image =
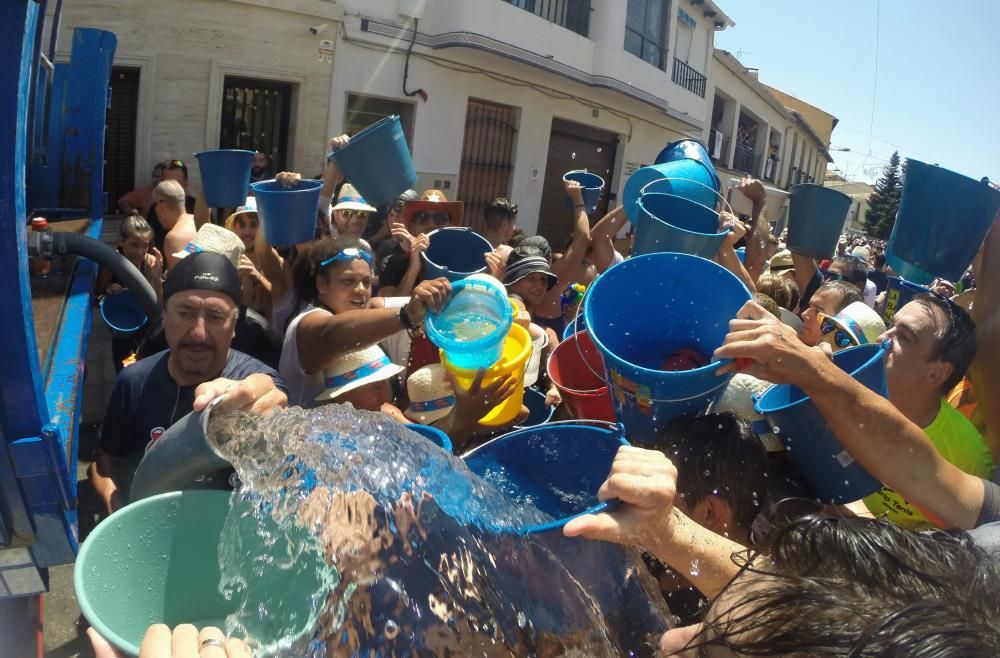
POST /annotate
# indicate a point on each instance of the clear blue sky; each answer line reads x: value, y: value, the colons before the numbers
x: 937, y: 98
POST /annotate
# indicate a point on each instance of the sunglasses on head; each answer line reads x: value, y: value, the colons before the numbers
x: 438, y: 218
x: 349, y: 254
x: 832, y: 276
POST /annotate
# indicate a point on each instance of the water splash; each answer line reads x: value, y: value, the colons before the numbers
x: 366, y: 538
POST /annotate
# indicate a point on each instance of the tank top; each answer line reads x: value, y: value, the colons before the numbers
x: 302, y: 386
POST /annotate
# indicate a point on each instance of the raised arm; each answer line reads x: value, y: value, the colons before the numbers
x: 726, y: 255
x: 876, y: 434
x: 602, y: 247
x: 985, y: 371
x: 323, y: 337
x: 758, y: 229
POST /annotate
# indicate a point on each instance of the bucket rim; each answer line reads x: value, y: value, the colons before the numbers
x: 551, y: 409
x: 503, y: 364
x: 881, y: 349
x: 703, y: 370
x: 675, y: 226
x: 304, y: 185
x: 815, y: 186
x: 466, y: 230
x: 505, y: 326
x: 138, y: 507
x: 135, y: 303
x: 589, y: 173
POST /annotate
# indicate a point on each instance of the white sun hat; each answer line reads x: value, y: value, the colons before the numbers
x: 737, y: 397
x: 349, y: 199
x: 432, y: 396
x: 354, y: 370
x: 217, y: 240
x: 862, y: 316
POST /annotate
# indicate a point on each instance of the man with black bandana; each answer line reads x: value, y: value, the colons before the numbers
x: 200, y: 300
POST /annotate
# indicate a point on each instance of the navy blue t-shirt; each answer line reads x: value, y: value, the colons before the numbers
x: 146, y: 401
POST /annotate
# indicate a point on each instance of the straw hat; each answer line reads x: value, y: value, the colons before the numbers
x: 354, y: 370
x: 216, y: 240
x: 431, y: 394
x: 433, y: 201
x: 782, y: 261
x: 349, y: 199
x: 249, y: 206
x: 863, y: 321
x: 737, y: 397
x: 861, y: 253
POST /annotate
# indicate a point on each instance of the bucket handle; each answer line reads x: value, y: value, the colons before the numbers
x: 696, y: 182
x: 612, y: 385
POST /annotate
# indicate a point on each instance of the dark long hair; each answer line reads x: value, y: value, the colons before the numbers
x: 859, y: 588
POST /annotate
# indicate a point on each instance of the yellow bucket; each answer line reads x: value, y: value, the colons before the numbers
x: 516, y: 350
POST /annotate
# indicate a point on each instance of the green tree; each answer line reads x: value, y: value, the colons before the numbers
x: 884, y: 201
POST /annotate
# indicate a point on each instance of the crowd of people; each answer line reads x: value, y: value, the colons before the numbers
x: 339, y: 320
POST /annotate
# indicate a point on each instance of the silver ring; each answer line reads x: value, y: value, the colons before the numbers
x: 212, y: 642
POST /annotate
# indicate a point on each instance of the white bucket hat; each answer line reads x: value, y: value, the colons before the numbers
x: 864, y: 317
x: 737, y: 397
x: 217, y: 240
x: 431, y: 394
x: 349, y: 199
x: 249, y: 206
x: 354, y: 370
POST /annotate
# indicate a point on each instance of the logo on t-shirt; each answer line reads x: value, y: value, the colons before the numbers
x: 154, y: 435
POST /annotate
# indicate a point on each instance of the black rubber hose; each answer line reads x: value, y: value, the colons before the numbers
x: 105, y: 256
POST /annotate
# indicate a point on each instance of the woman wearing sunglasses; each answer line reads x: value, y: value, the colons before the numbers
x: 333, y: 286
x: 402, y: 270
x: 350, y: 215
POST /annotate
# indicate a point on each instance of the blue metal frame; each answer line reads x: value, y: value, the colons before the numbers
x: 40, y: 410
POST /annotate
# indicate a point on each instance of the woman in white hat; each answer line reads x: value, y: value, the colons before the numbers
x: 333, y: 287
x: 362, y: 378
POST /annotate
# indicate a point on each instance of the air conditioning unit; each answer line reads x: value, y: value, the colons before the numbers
x: 715, y: 139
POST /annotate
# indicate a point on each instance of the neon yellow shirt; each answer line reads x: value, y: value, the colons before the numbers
x: 958, y: 441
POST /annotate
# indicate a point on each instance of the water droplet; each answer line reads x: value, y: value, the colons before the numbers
x: 522, y: 619
x: 776, y: 429
x: 573, y: 156
x: 847, y: 483
x: 861, y: 426
x: 707, y: 473
x: 695, y: 568
x: 391, y: 630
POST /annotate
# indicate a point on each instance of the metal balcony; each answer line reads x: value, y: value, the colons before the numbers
x: 571, y: 14
x: 689, y: 78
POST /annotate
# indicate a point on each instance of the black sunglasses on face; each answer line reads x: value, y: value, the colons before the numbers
x: 832, y: 276
x: 438, y: 218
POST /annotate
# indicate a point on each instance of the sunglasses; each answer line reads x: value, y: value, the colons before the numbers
x: 832, y: 276
x: 349, y: 254
x: 438, y: 218
x: 355, y: 214
x: 834, y: 334
x: 176, y: 164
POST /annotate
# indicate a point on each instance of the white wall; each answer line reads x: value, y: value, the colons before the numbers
x: 439, y: 123
x: 184, y: 48
x: 750, y: 101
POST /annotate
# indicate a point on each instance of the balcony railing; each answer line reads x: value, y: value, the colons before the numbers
x: 571, y: 14
x: 689, y: 78
x: 744, y: 159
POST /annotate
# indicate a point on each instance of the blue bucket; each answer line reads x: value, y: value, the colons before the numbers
x: 288, y: 215
x: 455, y: 253
x: 558, y: 467
x: 685, y: 149
x: 898, y: 294
x: 592, y: 185
x: 225, y: 176
x: 943, y: 218
x: 685, y: 178
x: 576, y: 325
x: 377, y: 161
x: 434, y: 435
x: 538, y: 412
x: 816, y: 217
x: 741, y: 253
x: 687, y: 303
x: 829, y: 469
x: 123, y: 313
x: 672, y: 223
x: 472, y: 325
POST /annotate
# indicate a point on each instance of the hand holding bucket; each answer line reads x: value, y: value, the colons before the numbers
x: 591, y: 187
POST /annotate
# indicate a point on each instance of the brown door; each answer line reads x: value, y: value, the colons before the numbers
x: 487, y: 158
x: 572, y: 146
x: 119, y: 137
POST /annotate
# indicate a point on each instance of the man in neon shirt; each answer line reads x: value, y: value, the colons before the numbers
x: 933, y: 344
